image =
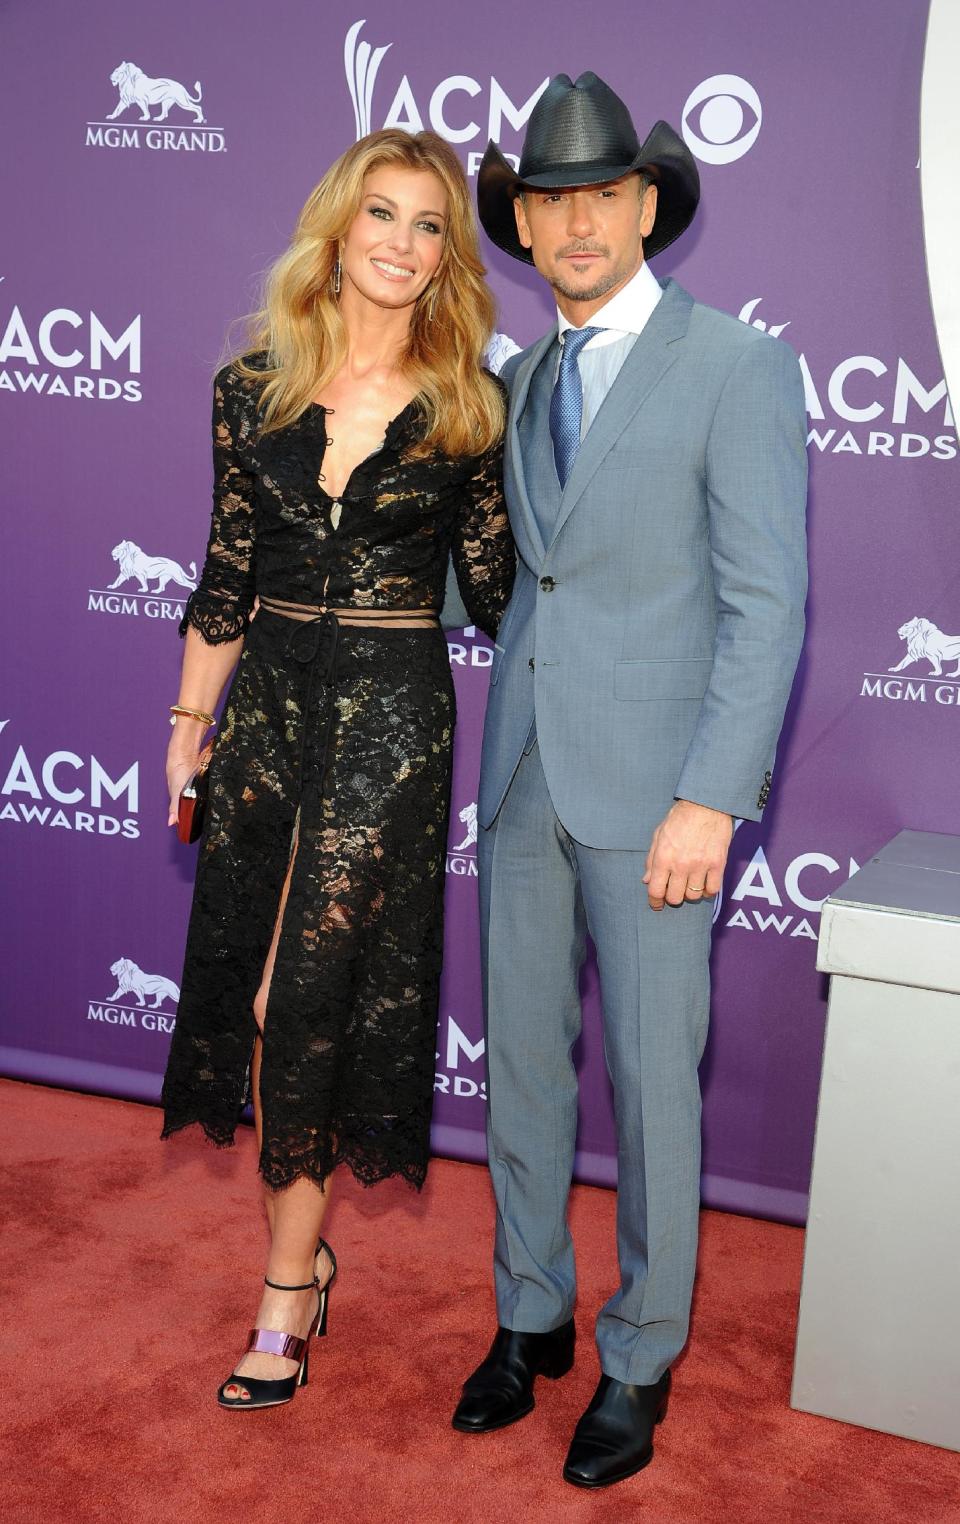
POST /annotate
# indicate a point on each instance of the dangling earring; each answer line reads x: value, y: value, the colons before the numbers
x: 432, y: 305
x: 336, y: 277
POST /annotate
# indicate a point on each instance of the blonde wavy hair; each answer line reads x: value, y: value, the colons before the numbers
x: 301, y: 328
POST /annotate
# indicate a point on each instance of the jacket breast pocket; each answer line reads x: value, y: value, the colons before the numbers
x: 681, y: 678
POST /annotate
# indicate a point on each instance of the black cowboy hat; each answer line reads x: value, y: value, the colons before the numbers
x: 582, y: 134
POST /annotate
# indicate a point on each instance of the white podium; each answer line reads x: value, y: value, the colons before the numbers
x: 878, y: 1340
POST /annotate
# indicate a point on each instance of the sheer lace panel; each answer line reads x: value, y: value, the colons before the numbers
x: 482, y: 546
x: 219, y: 608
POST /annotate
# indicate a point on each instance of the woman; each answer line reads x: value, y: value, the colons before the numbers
x: 355, y: 447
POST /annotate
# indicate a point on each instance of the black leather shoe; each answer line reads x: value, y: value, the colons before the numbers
x: 614, y: 1438
x: 501, y: 1389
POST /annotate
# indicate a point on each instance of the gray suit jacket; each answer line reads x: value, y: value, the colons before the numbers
x: 654, y: 638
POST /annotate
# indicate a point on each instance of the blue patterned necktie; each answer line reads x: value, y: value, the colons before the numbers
x: 566, y: 404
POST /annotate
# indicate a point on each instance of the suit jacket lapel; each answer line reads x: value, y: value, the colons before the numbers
x: 646, y: 365
x: 516, y: 481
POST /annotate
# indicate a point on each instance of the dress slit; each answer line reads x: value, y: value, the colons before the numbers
x: 277, y: 933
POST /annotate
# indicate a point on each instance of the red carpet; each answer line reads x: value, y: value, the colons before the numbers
x: 130, y: 1275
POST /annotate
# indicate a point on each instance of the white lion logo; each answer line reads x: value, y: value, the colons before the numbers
x: 468, y: 816
x: 131, y: 980
x: 925, y: 641
x: 138, y: 89
x: 133, y: 562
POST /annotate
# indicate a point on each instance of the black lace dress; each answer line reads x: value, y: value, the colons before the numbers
x: 334, y: 751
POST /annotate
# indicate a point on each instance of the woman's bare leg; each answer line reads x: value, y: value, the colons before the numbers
x: 298, y: 1216
x: 255, y: 1064
x: 295, y: 1216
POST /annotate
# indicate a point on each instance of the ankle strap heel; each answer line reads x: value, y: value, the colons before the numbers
x: 324, y: 1248
x: 269, y: 1341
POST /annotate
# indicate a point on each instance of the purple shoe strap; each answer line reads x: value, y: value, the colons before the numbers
x: 270, y: 1341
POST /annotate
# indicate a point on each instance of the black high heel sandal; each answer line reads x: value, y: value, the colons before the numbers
x: 269, y: 1341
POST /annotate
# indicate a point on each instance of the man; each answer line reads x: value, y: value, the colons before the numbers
x: 656, y: 478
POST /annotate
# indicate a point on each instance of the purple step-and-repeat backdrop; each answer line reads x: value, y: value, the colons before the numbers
x: 156, y: 160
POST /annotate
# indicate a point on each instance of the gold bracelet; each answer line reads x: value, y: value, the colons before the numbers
x: 191, y: 714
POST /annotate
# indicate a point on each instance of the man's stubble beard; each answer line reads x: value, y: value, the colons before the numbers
x: 600, y: 288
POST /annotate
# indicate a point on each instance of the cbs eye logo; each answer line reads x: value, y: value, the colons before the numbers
x: 715, y: 124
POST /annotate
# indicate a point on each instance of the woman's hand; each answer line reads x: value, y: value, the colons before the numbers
x: 183, y: 759
x: 205, y: 670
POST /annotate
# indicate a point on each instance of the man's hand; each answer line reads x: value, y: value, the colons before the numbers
x: 687, y: 855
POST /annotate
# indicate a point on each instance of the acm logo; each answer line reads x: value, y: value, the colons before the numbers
x: 54, y: 355
x: 451, y: 109
x: 790, y: 898
x: 459, y: 1053
x: 48, y: 792
x: 864, y: 404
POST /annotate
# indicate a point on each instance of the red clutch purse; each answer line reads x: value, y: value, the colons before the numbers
x: 193, y: 799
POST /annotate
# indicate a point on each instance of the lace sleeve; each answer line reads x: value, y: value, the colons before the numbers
x: 219, y: 608
x: 483, y: 552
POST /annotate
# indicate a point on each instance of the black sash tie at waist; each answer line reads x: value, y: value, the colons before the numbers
x: 314, y: 642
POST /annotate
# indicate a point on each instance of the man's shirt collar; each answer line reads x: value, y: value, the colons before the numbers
x: 627, y: 312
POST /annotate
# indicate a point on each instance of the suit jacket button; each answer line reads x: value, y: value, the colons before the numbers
x: 547, y: 584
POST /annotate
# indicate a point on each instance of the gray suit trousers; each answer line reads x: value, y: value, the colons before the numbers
x: 540, y: 893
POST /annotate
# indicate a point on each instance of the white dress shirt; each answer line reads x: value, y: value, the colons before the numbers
x: 623, y: 318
